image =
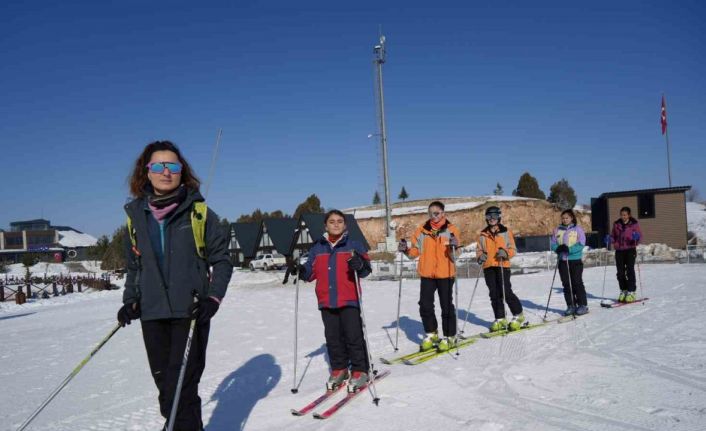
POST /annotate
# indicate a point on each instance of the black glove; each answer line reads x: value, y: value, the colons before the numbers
x: 356, y: 262
x: 562, y: 249
x: 295, y: 268
x: 482, y: 258
x: 501, y: 254
x: 203, y: 310
x: 127, y: 313
x: 402, y: 246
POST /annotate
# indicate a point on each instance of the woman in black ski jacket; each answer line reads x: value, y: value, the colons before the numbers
x: 171, y: 250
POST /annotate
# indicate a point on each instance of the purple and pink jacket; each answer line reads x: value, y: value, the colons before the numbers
x: 621, y: 236
x: 328, y: 265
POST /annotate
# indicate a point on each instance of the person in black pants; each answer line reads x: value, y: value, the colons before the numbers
x: 568, y: 241
x: 168, y: 282
x: 333, y: 261
x: 626, y: 236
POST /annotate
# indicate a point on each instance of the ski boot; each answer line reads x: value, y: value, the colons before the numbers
x: 570, y: 310
x: 581, y: 310
x: 337, y: 378
x: 430, y: 340
x: 630, y: 297
x: 446, y: 344
x: 498, y: 325
x: 358, y: 379
x: 516, y: 322
x: 623, y: 295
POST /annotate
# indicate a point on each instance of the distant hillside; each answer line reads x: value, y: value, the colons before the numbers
x: 524, y: 216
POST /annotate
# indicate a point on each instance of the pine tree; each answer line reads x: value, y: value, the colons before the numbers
x: 376, y: 198
x: 403, y: 194
x: 114, y: 257
x: 562, y: 194
x: 528, y: 187
x: 97, y: 251
x: 498, y: 190
x: 311, y: 204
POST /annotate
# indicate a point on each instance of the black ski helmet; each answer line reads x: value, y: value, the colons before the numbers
x: 493, y: 211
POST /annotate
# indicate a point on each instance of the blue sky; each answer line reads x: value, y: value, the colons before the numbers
x: 476, y: 93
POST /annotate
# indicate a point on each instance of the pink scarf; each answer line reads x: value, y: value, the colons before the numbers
x: 161, y: 213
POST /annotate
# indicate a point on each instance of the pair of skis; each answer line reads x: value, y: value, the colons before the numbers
x: 340, y: 404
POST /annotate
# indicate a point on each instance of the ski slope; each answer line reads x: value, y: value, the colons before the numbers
x: 639, y: 367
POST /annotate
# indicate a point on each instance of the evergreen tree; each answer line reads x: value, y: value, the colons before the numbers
x: 528, y: 187
x: 403, y: 194
x: 376, y: 198
x: 97, y: 251
x: 498, y: 190
x: 114, y: 257
x: 311, y: 204
x: 562, y: 194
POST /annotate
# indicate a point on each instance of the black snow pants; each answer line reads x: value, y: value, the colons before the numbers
x: 165, y: 340
x: 575, y: 267
x: 345, y: 342
x: 625, y: 262
x: 444, y: 287
x: 494, y: 279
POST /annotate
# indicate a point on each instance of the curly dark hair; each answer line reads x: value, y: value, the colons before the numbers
x: 138, y: 179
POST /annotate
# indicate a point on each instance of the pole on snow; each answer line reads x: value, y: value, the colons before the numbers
x: 69, y: 378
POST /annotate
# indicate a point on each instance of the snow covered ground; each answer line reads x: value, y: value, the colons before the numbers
x: 640, y: 367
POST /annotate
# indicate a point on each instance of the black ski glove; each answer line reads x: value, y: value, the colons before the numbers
x: 402, y: 246
x: 128, y: 312
x: 356, y: 262
x: 482, y: 258
x: 296, y: 269
x: 203, y: 310
x: 501, y: 254
x: 562, y: 249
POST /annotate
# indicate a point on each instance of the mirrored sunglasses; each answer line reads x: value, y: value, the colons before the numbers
x: 159, y: 167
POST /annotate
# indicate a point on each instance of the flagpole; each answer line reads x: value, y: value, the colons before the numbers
x: 669, y: 160
x: 665, y: 132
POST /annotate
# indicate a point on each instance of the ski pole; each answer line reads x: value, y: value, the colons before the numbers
x: 551, y: 288
x: 639, y: 277
x: 453, y: 251
x: 468, y: 309
x: 502, y: 280
x: 371, y: 368
x: 399, y: 301
x: 296, y: 324
x: 571, y: 287
x: 182, y: 371
x: 605, y: 266
x: 69, y: 377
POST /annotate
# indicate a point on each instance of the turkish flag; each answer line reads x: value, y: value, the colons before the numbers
x: 663, y: 117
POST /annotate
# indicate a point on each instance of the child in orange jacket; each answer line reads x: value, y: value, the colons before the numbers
x: 434, y: 242
x: 496, y: 246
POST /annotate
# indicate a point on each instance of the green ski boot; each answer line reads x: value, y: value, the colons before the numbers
x: 446, y: 344
x: 630, y: 297
x: 430, y: 340
x: 623, y: 294
x: 516, y: 322
x: 498, y: 325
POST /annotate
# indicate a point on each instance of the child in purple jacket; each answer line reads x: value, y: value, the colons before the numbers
x: 625, y: 237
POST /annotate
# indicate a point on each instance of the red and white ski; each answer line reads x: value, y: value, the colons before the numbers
x: 312, y: 405
x: 348, y: 398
